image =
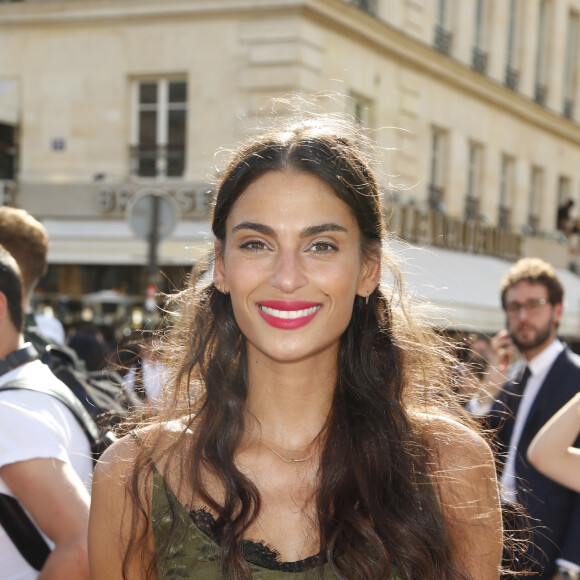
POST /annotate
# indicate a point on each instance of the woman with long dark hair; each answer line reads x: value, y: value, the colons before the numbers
x: 310, y: 430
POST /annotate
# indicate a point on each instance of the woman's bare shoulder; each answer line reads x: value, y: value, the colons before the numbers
x: 454, y: 443
x: 153, y: 441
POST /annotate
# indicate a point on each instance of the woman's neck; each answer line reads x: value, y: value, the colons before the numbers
x: 288, y: 403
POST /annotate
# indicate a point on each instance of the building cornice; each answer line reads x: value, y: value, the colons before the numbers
x: 422, y: 58
x: 348, y: 20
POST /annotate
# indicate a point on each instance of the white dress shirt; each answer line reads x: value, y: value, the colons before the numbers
x: 539, y: 367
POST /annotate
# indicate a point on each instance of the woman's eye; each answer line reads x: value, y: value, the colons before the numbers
x: 253, y: 246
x: 322, y: 247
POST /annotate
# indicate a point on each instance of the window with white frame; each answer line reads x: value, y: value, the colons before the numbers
x: 360, y: 109
x: 571, y: 64
x: 564, y: 189
x: 159, y: 128
x: 474, y: 174
x: 479, y: 52
x: 506, y: 191
x: 437, y: 168
x: 541, y: 89
x: 535, y: 196
x: 511, y: 71
x: 443, y: 34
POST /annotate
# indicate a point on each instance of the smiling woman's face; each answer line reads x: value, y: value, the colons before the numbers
x: 293, y: 264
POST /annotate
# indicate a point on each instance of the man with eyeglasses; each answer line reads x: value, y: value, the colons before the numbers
x: 546, y: 376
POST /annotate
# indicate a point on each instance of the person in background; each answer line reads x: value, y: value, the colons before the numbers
x: 45, y: 460
x: 563, y: 219
x: 145, y: 374
x: 308, y: 430
x: 554, y: 450
x: 545, y: 376
x: 27, y: 240
x: 87, y: 340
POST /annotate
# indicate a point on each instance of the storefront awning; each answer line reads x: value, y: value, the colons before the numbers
x: 98, y: 242
x: 464, y: 288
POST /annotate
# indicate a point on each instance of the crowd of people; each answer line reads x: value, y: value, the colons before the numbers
x: 304, y: 421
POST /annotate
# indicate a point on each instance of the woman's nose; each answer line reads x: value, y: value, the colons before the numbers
x: 288, y: 274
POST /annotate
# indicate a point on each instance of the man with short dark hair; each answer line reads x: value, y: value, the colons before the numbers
x: 45, y: 461
x: 27, y: 240
x: 546, y: 377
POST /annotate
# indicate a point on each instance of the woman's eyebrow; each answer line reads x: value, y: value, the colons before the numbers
x: 256, y: 227
x: 321, y: 229
x: 307, y: 232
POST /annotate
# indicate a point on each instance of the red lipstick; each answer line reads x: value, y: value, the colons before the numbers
x: 288, y: 314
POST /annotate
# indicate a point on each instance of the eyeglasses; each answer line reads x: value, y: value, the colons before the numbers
x: 531, y: 306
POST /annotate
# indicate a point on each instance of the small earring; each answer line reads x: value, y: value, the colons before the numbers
x: 367, y: 298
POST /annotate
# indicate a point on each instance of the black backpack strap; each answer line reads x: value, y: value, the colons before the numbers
x: 26, y: 353
x: 23, y: 533
x: 98, y: 438
x: 15, y: 521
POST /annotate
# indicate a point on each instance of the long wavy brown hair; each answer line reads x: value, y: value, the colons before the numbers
x: 375, y: 504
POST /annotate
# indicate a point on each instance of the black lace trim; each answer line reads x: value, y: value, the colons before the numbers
x: 256, y: 553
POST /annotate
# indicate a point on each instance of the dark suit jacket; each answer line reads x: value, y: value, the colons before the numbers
x: 555, y: 508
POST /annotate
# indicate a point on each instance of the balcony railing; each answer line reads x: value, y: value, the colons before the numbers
x: 478, y: 60
x: 369, y: 6
x: 512, y: 77
x: 568, y: 108
x: 421, y: 227
x: 443, y: 40
x: 158, y: 160
x: 541, y: 94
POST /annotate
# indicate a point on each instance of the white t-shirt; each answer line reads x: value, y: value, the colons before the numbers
x: 32, y: 426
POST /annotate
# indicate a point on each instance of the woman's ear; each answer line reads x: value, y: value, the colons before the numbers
x: 3, y: 307
x: 370, y: 273
x: 219, y: 275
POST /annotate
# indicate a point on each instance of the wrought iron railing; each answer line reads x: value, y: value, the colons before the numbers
x: 158, y: 160
x: 568, y: 108
x: 512, y: 78
x: 443, y: 40
x: 479, y: 60
x: 541, y: 94
x: 369, y: 6
x: 429, y: 227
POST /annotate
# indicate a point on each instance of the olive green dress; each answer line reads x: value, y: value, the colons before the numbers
x: 196, y: 555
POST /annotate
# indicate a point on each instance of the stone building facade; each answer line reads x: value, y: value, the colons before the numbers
x: 475, y: 105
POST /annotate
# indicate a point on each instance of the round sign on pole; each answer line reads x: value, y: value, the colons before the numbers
x: 141, y: 214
